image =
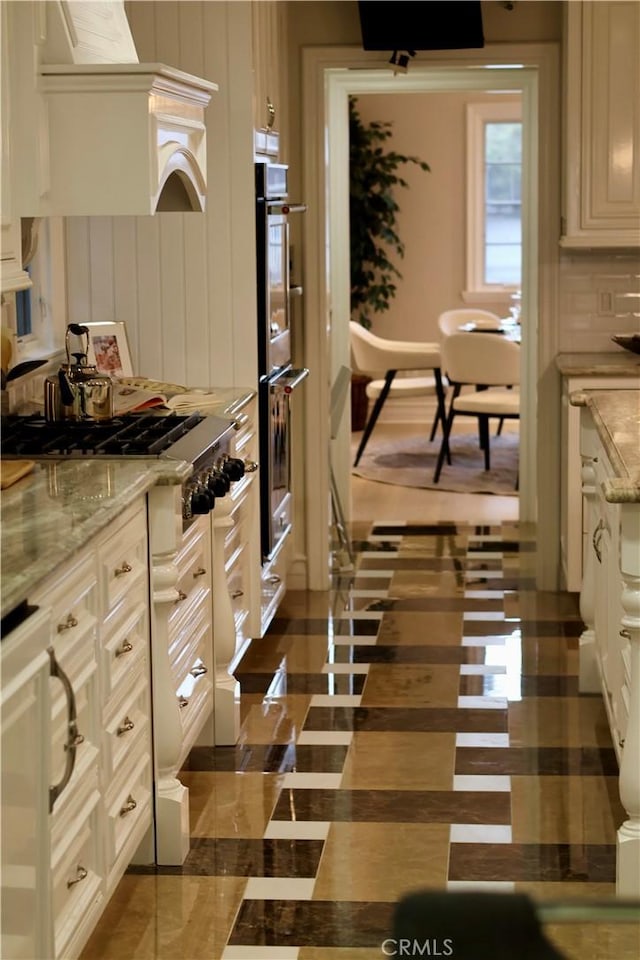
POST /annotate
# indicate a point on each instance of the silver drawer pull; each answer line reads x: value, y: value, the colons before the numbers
x: 200, y: 572
x: 183, y: 702
x: 236, y: 594
x: 74, y: 741
x: 250, y: 466
x: 81, y: 874
x: 125, y: 568
x: 125, y: 647
x: 68, y: 624
x: 239, y: 421
x: 181, y: 596
x: 621, y: 742
x: 128, y: 806
x: 199, y: 671
x: 625, y: 634
x: 273, y: 579
x: 125, y: 726
x: 596, y: 538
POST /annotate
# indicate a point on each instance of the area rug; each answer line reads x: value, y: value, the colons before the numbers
x: 411, y: 461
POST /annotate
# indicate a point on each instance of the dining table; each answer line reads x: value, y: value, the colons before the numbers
x: 507, y: 328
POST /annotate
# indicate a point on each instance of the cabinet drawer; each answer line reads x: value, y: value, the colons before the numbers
x: 127, y: 730
x: 73, y: 608
x: 123, y: 558
x: 76, y: 887
x: 192, y: 657
x: 128, y: 810
x: 237, y: 579
x: 124, y: 650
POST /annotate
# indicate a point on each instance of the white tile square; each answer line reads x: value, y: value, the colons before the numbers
x: 484, y: 574
x: 279, y: 888
x: 483, y: 703
x: 500, y: 886
x: 484, y: 594
x: 480, y: 833
x: 483, y: 641
x: 477, y: 669
x: 482, y: 615
x: 297, y: 830
x: 324, y: 737
x: 312, y: 781
x: 346, y: 668
x: 489, y: 783
x: 482, y: 739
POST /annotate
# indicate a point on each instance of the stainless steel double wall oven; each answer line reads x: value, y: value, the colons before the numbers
x: 277, y: 376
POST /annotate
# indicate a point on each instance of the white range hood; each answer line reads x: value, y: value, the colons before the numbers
x: 99, y: 133
x: 125, y: 138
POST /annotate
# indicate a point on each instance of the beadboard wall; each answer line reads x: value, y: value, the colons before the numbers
x: 184, y: 284
x: 599, y: 296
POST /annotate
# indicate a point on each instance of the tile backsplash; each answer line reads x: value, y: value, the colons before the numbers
x: 599, y: 296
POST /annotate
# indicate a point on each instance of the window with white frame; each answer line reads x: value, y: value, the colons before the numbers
x: 40, y: 310
x: 494, y: 197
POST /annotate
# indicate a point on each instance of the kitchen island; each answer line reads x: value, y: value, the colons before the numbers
x: 610, y: 594
x: 615, y: 369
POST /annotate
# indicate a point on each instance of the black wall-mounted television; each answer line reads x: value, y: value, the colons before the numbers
x: 420, y: 25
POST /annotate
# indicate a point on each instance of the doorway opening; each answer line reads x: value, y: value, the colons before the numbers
x: 330, y: 77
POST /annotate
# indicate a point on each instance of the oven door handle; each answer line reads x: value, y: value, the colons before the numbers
x: 287, y: 382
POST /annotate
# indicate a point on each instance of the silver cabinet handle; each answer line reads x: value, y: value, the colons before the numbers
x: 625, y: 634
x: 129, y: 805
x: 55, y: 670
x: 250, y: 466
x: 125, y: 727
x: 125, y: 568
x: 81, y: 874
x: 273, y: 579
x: 199, y: 671
x: 181, y: 596
x: 239, y: 421
x: 236, y: 594
x: 68, y: 624
x: 183, y: 702
x: 125, y: 647
x: 200, y: 572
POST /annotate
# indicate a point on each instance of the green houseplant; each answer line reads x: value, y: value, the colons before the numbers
x: 373, y: 179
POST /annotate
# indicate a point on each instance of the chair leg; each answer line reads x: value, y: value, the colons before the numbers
x: 500, y: 425
x: 444, y: 446
x: 371, y: 422
x: 483, y: 422
x: 441, y: 411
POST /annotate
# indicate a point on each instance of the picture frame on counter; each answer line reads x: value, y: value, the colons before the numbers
x: 109, y: 348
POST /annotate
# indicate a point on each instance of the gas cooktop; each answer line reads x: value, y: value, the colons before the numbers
x: 179, y: 437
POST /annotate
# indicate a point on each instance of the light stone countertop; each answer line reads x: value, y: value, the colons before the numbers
x: 616, y: 415
x: 54, y: 511
x: 618, y: 363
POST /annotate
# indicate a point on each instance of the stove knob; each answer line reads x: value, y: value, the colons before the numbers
x: 201, y: 500
x: 234, y: 468
x: 219, y: 483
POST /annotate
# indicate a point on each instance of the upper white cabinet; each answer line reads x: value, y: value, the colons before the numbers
x: 602, y: 124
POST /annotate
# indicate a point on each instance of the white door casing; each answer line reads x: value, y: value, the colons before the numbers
x: 330, y: 75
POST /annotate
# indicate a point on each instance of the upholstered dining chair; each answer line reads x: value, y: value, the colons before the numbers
x: 381, y: 359
x: 491, y: 365
x: 451, y: 320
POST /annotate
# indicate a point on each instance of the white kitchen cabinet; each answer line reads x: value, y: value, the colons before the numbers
x: 609, y: 606
x: 601, y: 124
x: 86, y: 774
x: 573, y: 522
x: 24, y: 851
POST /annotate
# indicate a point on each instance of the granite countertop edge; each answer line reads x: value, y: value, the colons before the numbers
x: 53, y: 512
x: 603, y: 364
x: 616, y: 416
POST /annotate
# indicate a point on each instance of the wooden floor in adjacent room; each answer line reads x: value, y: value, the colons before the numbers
x: 416, y: 727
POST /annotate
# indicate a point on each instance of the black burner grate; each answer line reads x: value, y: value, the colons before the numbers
x: 132, y: 435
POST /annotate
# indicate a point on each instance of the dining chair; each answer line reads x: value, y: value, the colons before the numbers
x: 381, y: 359
x: 491, y: 365
x: 451, y: 320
